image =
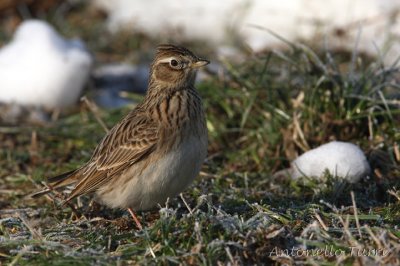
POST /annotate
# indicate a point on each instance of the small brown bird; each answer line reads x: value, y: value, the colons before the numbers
x: 157, y: 150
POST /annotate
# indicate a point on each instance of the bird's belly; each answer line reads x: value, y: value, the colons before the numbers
x: 144, y: 186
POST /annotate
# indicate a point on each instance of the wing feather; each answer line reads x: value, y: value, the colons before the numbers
x: 129, y: 142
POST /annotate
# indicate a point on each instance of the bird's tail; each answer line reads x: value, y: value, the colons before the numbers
x: 56, y: 183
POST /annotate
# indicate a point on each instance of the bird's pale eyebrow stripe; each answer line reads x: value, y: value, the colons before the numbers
x: 167, y: 60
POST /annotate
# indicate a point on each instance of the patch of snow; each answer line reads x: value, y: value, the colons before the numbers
x: 341, y: 159
x: 221, y: 22
x: 40, y: 68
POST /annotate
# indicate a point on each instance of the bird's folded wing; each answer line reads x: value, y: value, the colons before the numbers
x: 127, y: 143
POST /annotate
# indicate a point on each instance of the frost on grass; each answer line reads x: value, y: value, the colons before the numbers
x: 208, y: 234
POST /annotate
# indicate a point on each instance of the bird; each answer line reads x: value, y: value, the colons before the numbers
x: 156, y: 150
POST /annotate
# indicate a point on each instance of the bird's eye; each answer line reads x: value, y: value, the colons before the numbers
x: 174, y: 63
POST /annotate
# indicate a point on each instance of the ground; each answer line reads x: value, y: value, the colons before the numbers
x: 261, y: 113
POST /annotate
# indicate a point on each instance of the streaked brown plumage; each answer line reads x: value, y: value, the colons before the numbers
x: 157, y: 149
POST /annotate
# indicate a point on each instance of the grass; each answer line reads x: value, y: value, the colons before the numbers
x: 261, y: 114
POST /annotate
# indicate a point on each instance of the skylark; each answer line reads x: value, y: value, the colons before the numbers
x: 157, y: 150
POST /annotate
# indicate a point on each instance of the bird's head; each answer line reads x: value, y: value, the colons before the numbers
x: 175, y: 67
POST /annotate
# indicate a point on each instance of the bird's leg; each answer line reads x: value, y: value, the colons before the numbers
x: 138, y: 224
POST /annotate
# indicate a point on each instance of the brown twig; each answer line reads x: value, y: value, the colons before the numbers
x: 95, y: 110
x: 35, y: 234
x: 187, y: 205
x: 355, y: 213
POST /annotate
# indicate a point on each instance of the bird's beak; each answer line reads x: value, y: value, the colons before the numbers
x: 199, y: 63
